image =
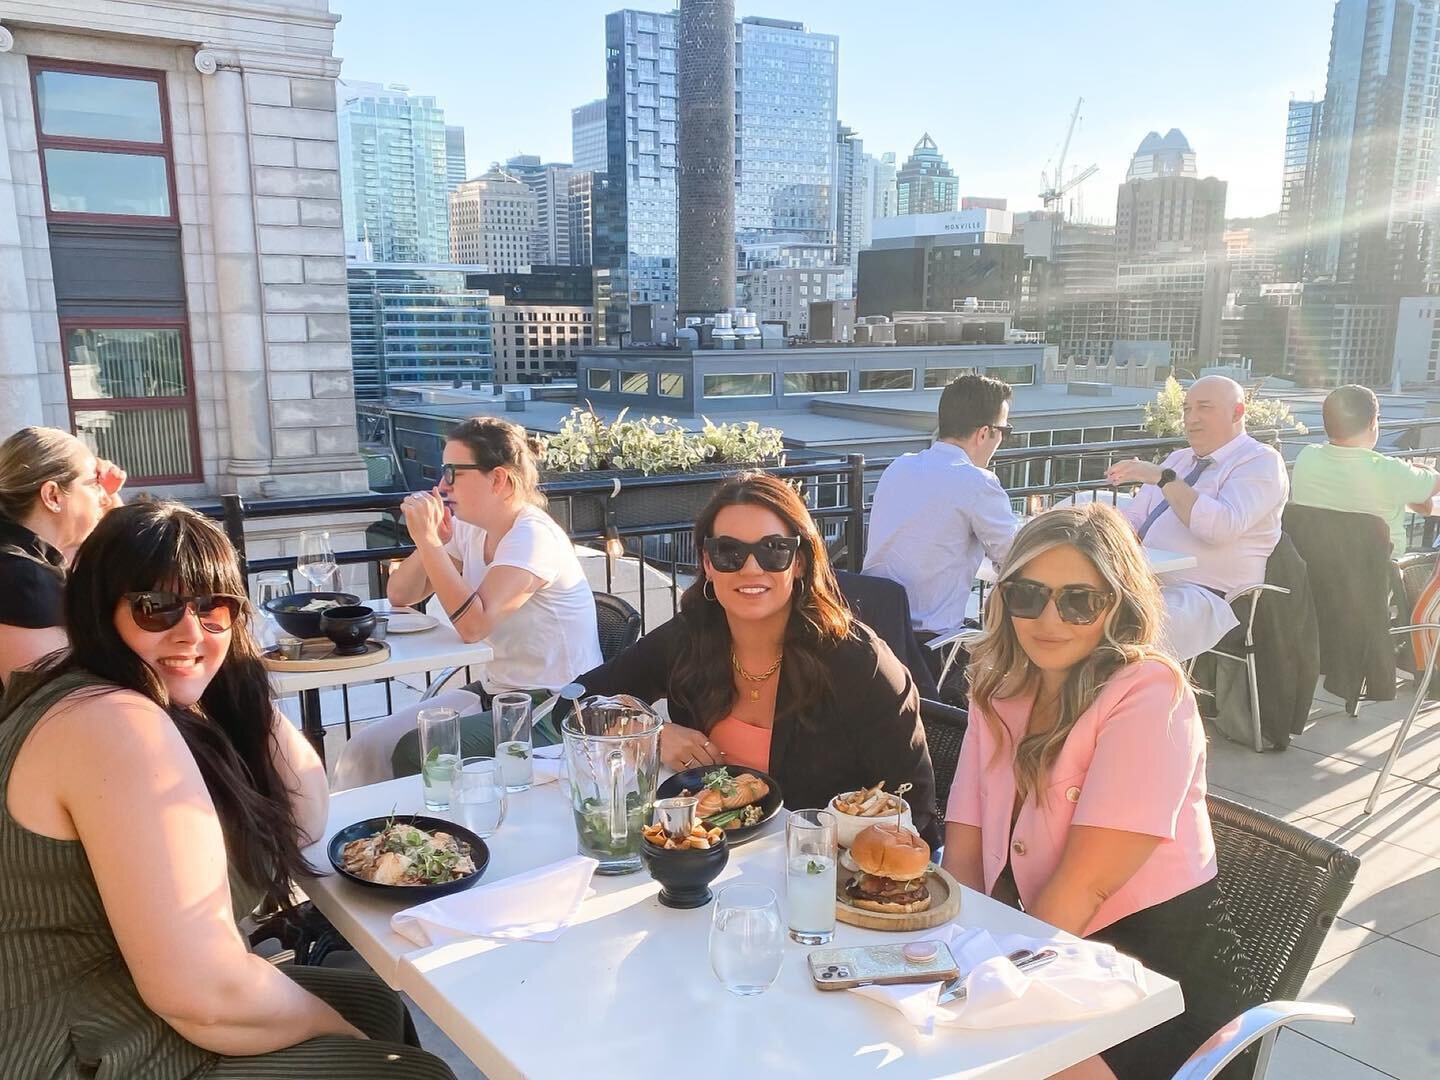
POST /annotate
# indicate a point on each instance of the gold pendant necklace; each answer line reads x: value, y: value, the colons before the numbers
x: 748, y: 677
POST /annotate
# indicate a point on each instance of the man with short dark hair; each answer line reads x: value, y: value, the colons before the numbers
x: 1347, y: 474
x: 939, y: 512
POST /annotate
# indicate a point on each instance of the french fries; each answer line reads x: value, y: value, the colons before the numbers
x: 872, y: 801
x: 700, y: 838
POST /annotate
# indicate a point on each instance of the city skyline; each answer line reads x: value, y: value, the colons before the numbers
x: 1038, y: 55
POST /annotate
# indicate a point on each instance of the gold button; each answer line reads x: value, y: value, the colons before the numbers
x: 1073, y: 794
x: 1018, y: 847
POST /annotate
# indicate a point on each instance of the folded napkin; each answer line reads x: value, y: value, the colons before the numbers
x: 537, y: 905
x: 1086, y: 979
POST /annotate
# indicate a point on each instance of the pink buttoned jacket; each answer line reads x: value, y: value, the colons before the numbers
x: 1135, y: 761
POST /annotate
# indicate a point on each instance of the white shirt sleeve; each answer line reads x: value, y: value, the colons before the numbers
x: 992, y: 520
x: 530, y: 546
x: 1251, y: 492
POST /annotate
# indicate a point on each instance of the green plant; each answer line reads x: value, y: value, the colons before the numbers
x: 1165, y: 416
x: 653, y: 445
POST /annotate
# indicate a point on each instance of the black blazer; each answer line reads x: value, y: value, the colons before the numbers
x: 869, y: 730
x: 883, y: 605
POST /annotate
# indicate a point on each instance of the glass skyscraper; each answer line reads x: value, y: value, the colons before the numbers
x: 587, y: 136
x: 1302, y: 146
x: 925, y: 184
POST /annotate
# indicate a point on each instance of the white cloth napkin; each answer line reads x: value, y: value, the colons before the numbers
x: 1086, y: 979
x: 537, y: 905
x: 547, y: 764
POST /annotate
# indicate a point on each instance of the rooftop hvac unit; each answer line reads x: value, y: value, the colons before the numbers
x: 882, y: 333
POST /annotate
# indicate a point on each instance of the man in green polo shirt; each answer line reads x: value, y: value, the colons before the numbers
x: 1347, y: 474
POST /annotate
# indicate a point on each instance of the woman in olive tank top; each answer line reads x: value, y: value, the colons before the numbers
x: 152, y: 794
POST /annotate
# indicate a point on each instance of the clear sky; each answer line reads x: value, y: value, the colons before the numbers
x: 993, y: 83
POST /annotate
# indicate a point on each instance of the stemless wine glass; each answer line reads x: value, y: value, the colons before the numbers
x: 746, y: 939
x: 268, y: 586
x: 477, y: 795
x: 316, y: 558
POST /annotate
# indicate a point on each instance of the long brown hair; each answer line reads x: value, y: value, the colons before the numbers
x: 999, y: 666
x: 165, y: 545
x: 499, y: 444
x: 701, y: 681
x: 31, y: 458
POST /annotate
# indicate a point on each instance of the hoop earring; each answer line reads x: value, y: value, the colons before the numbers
x: 799, y: 587
x: 711, y: 594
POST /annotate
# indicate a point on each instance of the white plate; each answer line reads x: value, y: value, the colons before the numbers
x: 410, y: 622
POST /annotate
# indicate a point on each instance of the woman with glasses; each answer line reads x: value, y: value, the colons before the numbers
x: 1080, y: 790
x: 154, y: 796
x: 765, y: 667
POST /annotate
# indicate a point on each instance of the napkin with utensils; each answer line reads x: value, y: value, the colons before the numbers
x: 536, y: 906
x: 1084, y: 979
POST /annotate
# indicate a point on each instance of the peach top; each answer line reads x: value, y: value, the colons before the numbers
x: 1134, y: 761
x: 744, y: 744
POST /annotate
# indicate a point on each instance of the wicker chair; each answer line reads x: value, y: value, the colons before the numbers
x: 944, y: 732
x: 1283, y: 889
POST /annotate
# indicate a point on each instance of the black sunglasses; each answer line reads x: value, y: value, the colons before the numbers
x: 158, y: 611
x: 773, y: 553
x: 1005, y: 430
x: 447, y: 472
x: 1078, y: 605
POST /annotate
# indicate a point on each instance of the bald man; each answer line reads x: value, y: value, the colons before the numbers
x: 1220, y: 500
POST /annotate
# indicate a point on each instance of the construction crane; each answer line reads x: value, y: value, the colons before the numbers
x: 1053, y: 195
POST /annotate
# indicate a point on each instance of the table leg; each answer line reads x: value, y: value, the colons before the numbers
x: 311, y: 724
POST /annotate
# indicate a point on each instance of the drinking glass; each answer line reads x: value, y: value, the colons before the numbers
x: 439, y: 754
x: 316, y: 558
x: 746, y: 939
x: 514, y: 739
x: 810, y: 876
x: 268, y: 586
x: 477, y: 795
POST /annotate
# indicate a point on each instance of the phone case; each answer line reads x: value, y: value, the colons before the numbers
x: 878, y: 965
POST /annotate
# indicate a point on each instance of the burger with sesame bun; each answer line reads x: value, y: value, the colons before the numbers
x: 893, y: 862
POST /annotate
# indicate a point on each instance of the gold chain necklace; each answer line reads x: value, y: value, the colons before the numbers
x: 754, y: 690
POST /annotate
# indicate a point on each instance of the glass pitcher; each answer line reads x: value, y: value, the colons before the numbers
x: 612, y: 753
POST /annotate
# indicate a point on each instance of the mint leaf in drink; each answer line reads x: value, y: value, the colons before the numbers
x: 433, y: 755
x: 518, y: 750
x: 813, y: 867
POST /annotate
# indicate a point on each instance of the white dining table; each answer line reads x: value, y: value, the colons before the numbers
x: 627, y: 991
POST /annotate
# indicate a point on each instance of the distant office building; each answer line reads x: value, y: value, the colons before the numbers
x: 550, y: 181
x: 1176, y: 302
x: 565, y: 285
x: 788, y: 253
x: 454, y: 156
x: 581, y: 210
x: 784, y: 294
x: 492, y: 221
x: 1252, y: 257
x: 1417, y: 342
x: 1166, y: 216
x: 1157, y: 157
x: 416, y: 323
x: 1297, y: 191
x: 707, y: 135
x: 928, y: 262
x: 1083, y: 318
x: 393, y: 172
x: 883, y: 193
x: 1253, y: 331
x: 537, y: 342
x: 1374, y: 212
x: 587, y: 136
x: 852, y: 198
x: 1338, y: 335
x: 925, y: 184
x: 980, y: 202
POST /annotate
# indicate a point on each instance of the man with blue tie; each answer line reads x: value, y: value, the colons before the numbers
x: 1220, y: 499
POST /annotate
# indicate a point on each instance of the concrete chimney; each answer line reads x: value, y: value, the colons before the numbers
x: 705, y: 156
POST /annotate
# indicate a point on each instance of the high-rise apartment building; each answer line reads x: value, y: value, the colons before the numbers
x: 852, y: 198
x: 1169, y: 215
x: 705, y: 173
x: 492, y: 221
x: 784, y: 294
x: 1374, y: 213
x: 454, y: 156
x: 581, y: 209
x: 550, y: 181
x: 587, y: 136
x: 885, y: 198
x: 1176, y: 301
x: 1297, y: 191
x: 1252, y: 257
x: 393, y: 172
x: 1157, y: 156
x: 538, y: 342
x: 925, y: 184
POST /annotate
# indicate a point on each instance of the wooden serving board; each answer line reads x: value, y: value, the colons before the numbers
x: 318, y: 654
x: 944, y: 905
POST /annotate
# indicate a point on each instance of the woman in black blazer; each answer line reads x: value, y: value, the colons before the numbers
x: 765, y: 667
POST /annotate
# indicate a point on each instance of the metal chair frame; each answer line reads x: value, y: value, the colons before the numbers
x: 1422, y: 686
x: 1248, y: 659
x: 1260, y: 1022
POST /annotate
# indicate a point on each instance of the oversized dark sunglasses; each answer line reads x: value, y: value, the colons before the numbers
x: 1078, y: 605
x: 447, y: 471
x: 773, y: 553
x: 158, y: 611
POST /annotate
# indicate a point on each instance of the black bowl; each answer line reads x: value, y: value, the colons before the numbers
x: 303, y: 624
x: 685, y: 874
x: 411, y: 894
x: 689, y: 780
x: 349, y: 626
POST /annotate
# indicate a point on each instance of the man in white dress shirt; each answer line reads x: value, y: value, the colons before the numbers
x: 939, y: 512
x: 1220, y: 500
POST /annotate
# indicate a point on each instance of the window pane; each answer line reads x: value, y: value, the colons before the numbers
x: 599, y: 379
x: 144, y: 442
x: 634, y: 382
x: 89, y: 182
x: 758, y: 384
x: 890, y: 379
x: 125, y: 364
x: 672, y: 384
x: 1014, y: 374
x: 99, y: 107
x: 817, y: 382
x: 937, y: 378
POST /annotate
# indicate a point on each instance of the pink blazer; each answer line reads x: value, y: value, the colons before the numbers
x: 1135, y: 760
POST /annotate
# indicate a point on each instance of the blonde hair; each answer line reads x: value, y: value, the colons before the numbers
x: 30, y: 459
x: 999, y: 666
x: 499, y: 444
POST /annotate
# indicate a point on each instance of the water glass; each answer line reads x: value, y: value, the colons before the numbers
x: 439, y: 754
x: 478, y: 795
x: 747, y: 939
x: 810, y: 876
x: 269, y: 586
x: 514, y: 739
x: 316, y: 558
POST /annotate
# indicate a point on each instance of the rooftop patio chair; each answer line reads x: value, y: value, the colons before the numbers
x: 1422, y: 687
x: 1239, y: 648
x: 944, y: 732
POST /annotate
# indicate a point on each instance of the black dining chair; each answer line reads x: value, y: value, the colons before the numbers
x: 944, y: 732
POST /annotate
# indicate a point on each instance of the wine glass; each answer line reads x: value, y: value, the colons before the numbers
x: 316, y: 559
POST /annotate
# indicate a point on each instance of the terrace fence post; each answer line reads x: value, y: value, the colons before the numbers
x: 856, y: 495
x: 234, y: 516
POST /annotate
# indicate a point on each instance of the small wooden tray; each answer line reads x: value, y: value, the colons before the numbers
x: 944, y: 905
x: 318, y: 654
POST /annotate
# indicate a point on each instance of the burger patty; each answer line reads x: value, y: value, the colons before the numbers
x: 873, y: 887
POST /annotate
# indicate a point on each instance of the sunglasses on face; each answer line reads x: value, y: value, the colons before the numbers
x: 1078, y: 605
x: 156, y: 612
x: 1005, y: 430
x: 773, y: 553
x: 447, y: 471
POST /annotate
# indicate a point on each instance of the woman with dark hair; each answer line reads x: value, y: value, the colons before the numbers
x: 1080, y: 790
x: 763, y: 666
x: 153, y: 796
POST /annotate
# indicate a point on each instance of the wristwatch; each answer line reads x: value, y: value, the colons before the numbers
x: 1167, y: 476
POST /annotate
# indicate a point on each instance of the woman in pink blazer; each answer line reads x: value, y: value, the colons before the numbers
x: 1080, y: 790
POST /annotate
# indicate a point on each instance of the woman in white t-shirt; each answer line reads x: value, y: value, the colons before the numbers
x: 503, y: 571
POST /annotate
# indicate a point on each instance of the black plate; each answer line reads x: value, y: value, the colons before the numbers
x: 479, y: 854
x: 303, y: 624
x: 769, y: 806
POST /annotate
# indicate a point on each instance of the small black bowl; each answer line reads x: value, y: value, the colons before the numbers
x: 411, y: 894
x: 303, y: 624
x: 690, y: 780
x: 349, y: 626
x: 685, y: 874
